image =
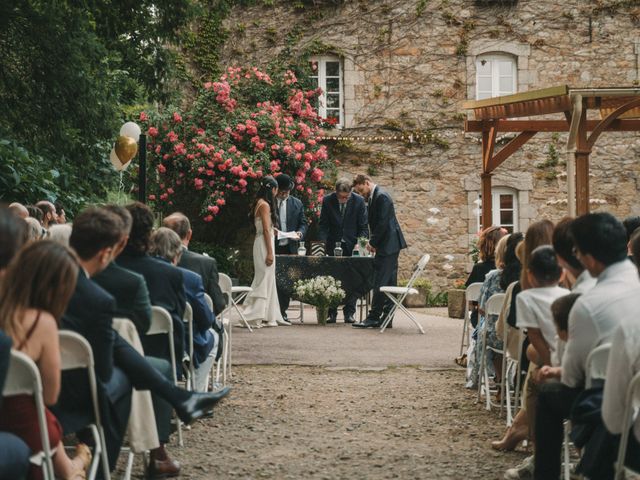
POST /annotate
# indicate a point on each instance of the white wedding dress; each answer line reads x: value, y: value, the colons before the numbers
x: 261, y: 305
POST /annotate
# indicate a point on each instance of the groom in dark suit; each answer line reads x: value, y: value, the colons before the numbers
x: 290, y: 214
x: 343, y: 218
x: 386, y: 241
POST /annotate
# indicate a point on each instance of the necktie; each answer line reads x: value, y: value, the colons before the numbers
x: 342, y: 208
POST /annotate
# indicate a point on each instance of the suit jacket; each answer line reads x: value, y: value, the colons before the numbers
x: 90, y: 313
x: 130, y: 292
x: 203, y: 318
x: 296, y: 221
x: 385, y: 234
x: 166, y: 289
x: 336, y: 228
x: 207, y: 268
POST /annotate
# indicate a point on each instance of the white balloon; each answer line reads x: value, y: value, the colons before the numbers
x: 117, y: 164
x: 131, y: 129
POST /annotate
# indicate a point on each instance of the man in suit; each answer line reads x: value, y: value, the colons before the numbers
x: 118, y: 365
x: 204, y: 266
x: 290, y: 214
x: 164, y: 281
x: 132, y: 301
x: 166, y: 245
x: 385, y: 241
x: 343, y: 218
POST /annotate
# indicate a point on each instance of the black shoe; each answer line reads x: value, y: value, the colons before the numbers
x: 349, y: 319
x: 284, y: 317
x: 332, y: 318
x: 368, y: 323
x: 199, y: 404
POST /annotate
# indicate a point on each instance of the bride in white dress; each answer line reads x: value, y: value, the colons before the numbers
x: 261, y: 305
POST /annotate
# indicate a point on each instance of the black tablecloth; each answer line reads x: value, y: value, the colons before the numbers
x: 355, y: 273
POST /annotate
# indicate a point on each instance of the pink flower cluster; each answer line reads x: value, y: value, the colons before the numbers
x: 225, y: 143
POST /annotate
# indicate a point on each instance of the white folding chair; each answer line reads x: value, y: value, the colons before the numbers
x: 596, y: 369
x: 398, y: 294
x: 223, y: 368
x: 162, y: 324
x: 75, y: 352
x: 235, y: 295
x: 471, y: 294
x: 23, y: 378
x: 632, y: 404
x: 510, y: 370
x: 188, y: 323
x: 226, y: 347
x: 492, y: 307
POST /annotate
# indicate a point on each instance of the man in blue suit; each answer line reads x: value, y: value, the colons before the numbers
x: 386, y: 241
x: 290, y: 214
x: 343, y: 219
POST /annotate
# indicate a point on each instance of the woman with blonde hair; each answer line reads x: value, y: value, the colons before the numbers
x: 34, y: 293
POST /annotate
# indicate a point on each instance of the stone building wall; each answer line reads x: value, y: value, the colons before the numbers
x: 408, y: 67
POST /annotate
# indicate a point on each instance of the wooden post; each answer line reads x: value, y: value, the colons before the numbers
x: 582, y: 166
x: 487, y: 200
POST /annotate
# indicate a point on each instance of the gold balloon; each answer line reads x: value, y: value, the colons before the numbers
x: 126, y: 148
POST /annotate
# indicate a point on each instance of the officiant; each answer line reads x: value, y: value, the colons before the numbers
x: 343, y: 219
x: 290, y: 218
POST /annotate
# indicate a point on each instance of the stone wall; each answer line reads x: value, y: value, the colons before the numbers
x: 409, y: 65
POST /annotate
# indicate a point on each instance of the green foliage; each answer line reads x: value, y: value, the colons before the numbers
x: 69, y: 72
x: 439, y: 299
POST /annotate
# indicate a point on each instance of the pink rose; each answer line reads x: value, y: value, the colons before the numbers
x: 153, y: 131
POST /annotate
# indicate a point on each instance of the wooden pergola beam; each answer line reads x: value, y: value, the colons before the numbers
x: 514, y: 126
x: 508, y: 150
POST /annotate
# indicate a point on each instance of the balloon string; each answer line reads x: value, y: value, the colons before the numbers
x: 120, y: 187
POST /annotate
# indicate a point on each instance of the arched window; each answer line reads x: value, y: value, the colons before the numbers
x: 327, y: 74
x: 504, y: 211
x: 496, y: 75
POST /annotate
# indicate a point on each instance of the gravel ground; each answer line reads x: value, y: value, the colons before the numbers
x: 290, y: 422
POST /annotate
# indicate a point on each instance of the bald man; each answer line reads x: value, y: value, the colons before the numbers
x: 19, y: 209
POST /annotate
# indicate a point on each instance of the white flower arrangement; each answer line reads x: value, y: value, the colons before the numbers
x: 320, y: 291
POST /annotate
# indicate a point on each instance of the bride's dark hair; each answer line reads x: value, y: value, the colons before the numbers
x: 265, y: 192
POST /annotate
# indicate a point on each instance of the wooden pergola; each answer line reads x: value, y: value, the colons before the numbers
x: 613, y: 109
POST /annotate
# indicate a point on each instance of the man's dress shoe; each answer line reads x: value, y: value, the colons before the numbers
x: 349, y: 319
x: 164, y: 468
x: 198, y: 404
x: 368, y: 323
x: 332, y: 318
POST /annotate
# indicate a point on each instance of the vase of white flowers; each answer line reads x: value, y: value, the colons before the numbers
x: 322, y: 292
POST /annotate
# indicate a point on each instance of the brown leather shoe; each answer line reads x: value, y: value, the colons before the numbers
x: 161, y: 466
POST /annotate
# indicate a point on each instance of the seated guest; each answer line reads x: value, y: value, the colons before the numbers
x: 19, y: 209
x: 49, y: 215
x: 35, y: 212
x: 204, y: 266
x: 576, y: 276
x: 62, y: 216
x: 623, y: 365
x: 132, y: 301
x: 35, y: 231
x: 631, y: 224
x: 14, y: 453
x: 560, y: 309
x: 60, y: 233
x: 534, y: 304
x: 166, y: 245
x: 35, y: 291
x: 127, y: 287
x: 490, y: 286
x: 13, y: 235
x: 118, y: 365
x: 601, y: 246
x: 164, y: 281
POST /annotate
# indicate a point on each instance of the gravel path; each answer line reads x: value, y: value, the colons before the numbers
x: 312, y: 402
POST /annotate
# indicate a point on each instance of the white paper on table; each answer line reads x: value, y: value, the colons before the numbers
x: 291, y: 235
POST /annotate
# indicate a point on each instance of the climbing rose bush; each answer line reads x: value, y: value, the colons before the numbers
x: 239, y: 129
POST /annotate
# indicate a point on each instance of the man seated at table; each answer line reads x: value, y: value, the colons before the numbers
x: 343, y: 219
